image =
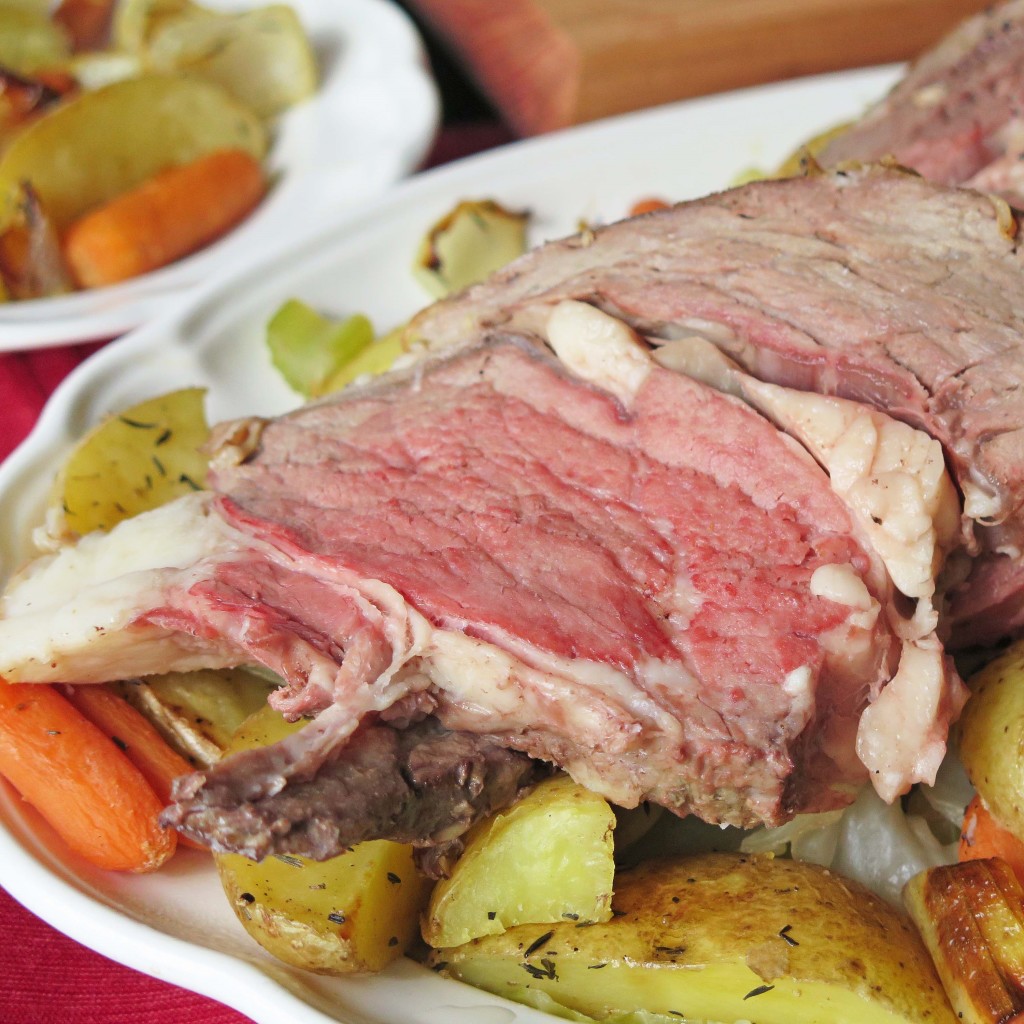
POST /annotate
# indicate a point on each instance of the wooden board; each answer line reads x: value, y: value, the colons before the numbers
x: 550, y: 63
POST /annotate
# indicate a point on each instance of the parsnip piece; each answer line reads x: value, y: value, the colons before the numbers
x: 971, y: 916
x: 350, y: 914
x: 262, y: 57
x: 198, y: 712
x: 477, y: 237
x: 549, y: 857
x: 722, y: 937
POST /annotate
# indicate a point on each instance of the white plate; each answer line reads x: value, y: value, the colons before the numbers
x: 369, y: 124
x: 175, y: 924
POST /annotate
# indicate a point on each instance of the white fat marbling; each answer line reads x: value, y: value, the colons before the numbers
x: 599, y: 348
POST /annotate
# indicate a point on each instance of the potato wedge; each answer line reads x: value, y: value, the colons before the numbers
x: 548, y: 857
x: 350, y: 914
x: 722, y: 937
x: 103, y: 143
x: 131, y: 462
x: 971, y: 917
x: 992, y: 738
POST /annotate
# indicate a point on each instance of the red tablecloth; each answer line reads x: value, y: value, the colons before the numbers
x: 46, y: 977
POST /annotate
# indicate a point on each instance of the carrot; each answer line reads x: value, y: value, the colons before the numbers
x: 136, y: 735
x: 982, y: 837
x: 80, y: 782
x: 647, y: 206
x: 168, y: 216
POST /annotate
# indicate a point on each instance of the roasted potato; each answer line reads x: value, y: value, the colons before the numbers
x: 721, y: 937
x: 992, y: 738
x: 971, y: 917
x: 548, y: 857
x: 350, y: 914
x: 133, y: 461
x: 101, y: 144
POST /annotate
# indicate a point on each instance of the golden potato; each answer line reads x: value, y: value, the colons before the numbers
x: 722, y: 937
x: 103, y: 143
x: 992, y: 738
x: 133, y: 461
x: 548, y: 857
x: 349, y: 914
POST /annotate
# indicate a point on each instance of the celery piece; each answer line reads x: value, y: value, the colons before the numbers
x: 310, y: 350
x: 374, y: 359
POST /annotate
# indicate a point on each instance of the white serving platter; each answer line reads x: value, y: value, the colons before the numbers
x: 175, y: 924
x: 370, y: 123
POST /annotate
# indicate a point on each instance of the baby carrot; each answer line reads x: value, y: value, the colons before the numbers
x: 136, y: 735
x: 168, y: 216
x: 647, y: 206
x: 982, y: 837
x: 79, y: 781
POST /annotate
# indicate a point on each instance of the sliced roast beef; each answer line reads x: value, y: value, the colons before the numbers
x: 957, y: 117
x: 422, y: 785
x: 598, y: 561
x: 873, y: 285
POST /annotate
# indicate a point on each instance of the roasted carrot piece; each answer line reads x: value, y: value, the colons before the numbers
x: 136, y: 735
x: 648, y: 206
x: 166, y: 217
x: 79, y: 781
x: 982, y: 837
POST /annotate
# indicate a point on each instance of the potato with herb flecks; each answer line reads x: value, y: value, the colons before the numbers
x: 548, y: 857
x: 133, y: 461
x: 722, y: 937
x: 350, y: 914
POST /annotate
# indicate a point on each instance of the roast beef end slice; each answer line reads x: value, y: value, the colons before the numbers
x: 423, y: 785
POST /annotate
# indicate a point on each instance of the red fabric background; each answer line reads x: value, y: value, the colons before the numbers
x: 46, y: 976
